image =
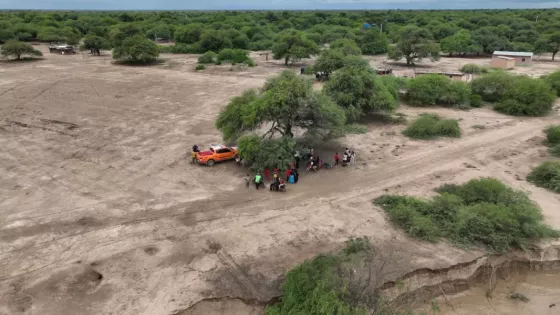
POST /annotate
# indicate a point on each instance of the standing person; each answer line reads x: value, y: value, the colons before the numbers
x: 296, y: 176
x: 352, y: 157
x: 258, y: 179
x: 247, y: 181
x: 347, y: 152
x: 288, y: 173
x: 336, y: 159
x: 238, y: 160
x: 193, y: 153
x: 311, y: 151
x: 297, y: 157
x: 344, y: 159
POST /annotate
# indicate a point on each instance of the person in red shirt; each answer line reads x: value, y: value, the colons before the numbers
x: 336, y: 159
x: 288, y: 173
x: 267, y: 174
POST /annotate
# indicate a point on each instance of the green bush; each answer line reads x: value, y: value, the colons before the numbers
x: 429, y: 126
x: 207, y: 57
x: 475, y: 100
x: 480, y: 212
x: 320, y: 286
x: 492, y: 86
x: 200, y: 67
x: 526, y: 97
x: 553, y: 80
x: 553, y: 134
x: 555, y: 150
x: 432, y: 89
x: 473, y: 69
x: 546, y: 175
x: 233, y: 55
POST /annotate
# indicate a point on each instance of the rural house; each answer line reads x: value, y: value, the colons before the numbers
x: 521, y: 58
x: 501, y: 62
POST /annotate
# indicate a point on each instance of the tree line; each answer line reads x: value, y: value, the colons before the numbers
x: 295, y: 34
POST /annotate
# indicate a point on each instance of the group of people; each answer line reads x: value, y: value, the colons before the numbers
x: 278, y: 183
x: 347, y: 158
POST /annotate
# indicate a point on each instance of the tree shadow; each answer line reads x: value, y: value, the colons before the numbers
x: 22, y: 60
x: 130, y: 63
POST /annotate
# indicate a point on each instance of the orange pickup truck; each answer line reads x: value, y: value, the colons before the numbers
x: 216, y: 153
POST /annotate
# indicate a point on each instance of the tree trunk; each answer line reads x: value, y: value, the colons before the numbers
x: 19, y: 57
x: 289, y: 131
x: 286, y: 61
x: 553, y: 55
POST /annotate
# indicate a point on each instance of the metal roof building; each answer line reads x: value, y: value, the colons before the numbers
x: 521, y: 58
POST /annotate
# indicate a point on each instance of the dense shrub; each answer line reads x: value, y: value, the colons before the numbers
x: 480, y: 212
x: 207, y: 57
x: 492, y: 86
x: 234, y: 55
x: 327, y: 284
x: 555, y: 150
x: 429, y: 126
x: 526, y: 97
x: 435, y: 89
x: 553, y: 80
x: 200, y: 67
x: 136, y: 49
x: 473, y: 68
x: 475, y: 100
x: 546, y: 175
x: 553, y: 134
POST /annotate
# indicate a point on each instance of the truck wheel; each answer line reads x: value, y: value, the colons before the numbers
x: 210, y: 162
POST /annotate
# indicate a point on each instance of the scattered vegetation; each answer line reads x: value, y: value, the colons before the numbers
x: 480, y: 127
x: 355, y: 129
x: 429, y: 126
x: 234, y: 56
x: 546, y: 175
x: 480, y: 212
x: 473, y: 69
x: 200, y: 67
x: 434, y: 89
x: 518, y: 296
x: 17, y: 50
x: 208, y: 57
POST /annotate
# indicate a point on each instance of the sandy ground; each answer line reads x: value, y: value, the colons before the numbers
x: 101, y: 213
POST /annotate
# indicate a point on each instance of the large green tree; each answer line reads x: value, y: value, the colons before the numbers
x: 373, y: 42
x: 16, y: 49
x: 359, y: 91
x: 94, y: 44
x: 293, y: 46
x: 136, y: 49
x: 328, y: 61
x: 414, y: 43
x: 286, y: 103
x: 549, y: 43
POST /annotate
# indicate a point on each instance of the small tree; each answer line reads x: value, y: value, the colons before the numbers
x: 94, y: 44
x: 549, y: 43
x: 136, y: 49
x: 435, y: 89
x: 294, y: 46
x: 460, y: 43
x: 492, y: 86
x: 359, y: 91
x: 372, y: 42
x: 16, y: 49
x: 414, y: 43
x: 329, y: 61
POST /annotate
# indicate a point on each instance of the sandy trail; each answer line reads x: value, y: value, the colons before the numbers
x: 109, y: 218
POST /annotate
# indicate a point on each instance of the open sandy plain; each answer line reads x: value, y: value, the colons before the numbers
x: 101, y: 212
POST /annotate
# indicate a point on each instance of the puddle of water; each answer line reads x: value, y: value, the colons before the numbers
x: 542, y: 288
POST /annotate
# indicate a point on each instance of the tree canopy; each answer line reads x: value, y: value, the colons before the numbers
x: 136, y: 49
x: 16, y: 49
x: 359, y: 91
x: 414, y: 43
x: 94, y: 43
x: 285, y: 104
x: 294, y: 46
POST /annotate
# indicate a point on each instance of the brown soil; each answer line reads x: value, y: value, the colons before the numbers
x: 101, y: 212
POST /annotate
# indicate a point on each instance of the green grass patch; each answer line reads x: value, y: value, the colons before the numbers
x: 480, y: 212
x: 430, y: 126
x: 473, y: 68
x: 546, y: 175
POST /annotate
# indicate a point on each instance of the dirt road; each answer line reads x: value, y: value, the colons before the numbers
x: 101, y: 213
